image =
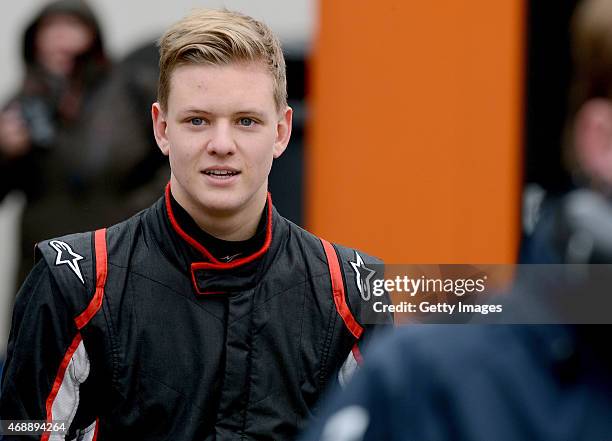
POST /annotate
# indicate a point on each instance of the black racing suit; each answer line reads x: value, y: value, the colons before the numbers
x: 138, y: 333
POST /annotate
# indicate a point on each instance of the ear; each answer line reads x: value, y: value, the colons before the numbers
x: 593, y: 140
x: 159, y: 128
x: 283, y: 132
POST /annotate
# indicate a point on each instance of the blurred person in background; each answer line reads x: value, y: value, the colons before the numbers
x: 125, y: 170
x: 548, y: 382
x: 576, y: 227
x: 41, y: 148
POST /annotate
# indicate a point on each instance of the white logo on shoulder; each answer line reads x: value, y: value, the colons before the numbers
x: 363, y: 274
x: 65, y: 255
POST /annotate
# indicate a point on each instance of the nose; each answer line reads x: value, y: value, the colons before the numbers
x: 221, y: 142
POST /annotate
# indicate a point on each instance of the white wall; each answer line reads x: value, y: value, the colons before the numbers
x: 125, y: 24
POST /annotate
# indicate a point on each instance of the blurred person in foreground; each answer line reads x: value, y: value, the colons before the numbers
x: 547, y: 382
x: 208, y: 315
x: 41, y: 146
x: 476, y: 383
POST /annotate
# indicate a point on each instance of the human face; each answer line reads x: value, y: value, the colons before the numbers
x: 60, y: 39
x: 221, y: 131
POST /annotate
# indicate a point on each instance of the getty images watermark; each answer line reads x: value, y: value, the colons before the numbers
x: 403, y: 293
x: 505, y: 294
x: 425, y: 287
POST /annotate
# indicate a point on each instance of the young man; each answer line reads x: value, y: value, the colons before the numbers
x: 208, y: 315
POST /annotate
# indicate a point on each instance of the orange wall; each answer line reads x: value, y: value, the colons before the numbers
x: 414, y: 148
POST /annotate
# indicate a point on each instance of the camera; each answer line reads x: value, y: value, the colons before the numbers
x: 38, y: 117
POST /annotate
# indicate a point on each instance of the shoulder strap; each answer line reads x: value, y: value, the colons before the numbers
x: 78, y: 263
x: 101, y: 273
x: 338, y: 289
x: 362, y: 273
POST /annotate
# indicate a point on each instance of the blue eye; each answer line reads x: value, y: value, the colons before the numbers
x: 197, y: 121
x: 247, y: 122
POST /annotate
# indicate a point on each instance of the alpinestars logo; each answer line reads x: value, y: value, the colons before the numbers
x: 65, y: 255
x: 363, y: 274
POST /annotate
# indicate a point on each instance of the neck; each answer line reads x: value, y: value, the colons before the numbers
x: 229, y: 226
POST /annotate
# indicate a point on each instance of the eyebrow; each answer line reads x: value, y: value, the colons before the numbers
x: 198, y: 111
x: 254, y: 113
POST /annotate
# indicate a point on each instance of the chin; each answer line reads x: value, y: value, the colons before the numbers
x: 221, y: 204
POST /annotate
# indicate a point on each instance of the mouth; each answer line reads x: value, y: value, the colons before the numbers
x: 221, y: 173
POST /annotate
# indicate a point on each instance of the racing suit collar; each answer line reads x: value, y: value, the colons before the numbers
x: 211, y: 275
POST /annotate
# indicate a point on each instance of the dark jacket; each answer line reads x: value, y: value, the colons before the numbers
x: 477, y: 383
x: 163, y: 343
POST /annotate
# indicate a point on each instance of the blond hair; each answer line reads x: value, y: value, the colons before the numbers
x: 220, y: 37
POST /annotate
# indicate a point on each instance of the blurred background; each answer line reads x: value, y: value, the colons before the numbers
x: 418, y: 126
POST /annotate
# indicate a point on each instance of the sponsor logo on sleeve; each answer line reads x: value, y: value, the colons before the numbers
x: 363, y: 274
x: 66, y: 256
